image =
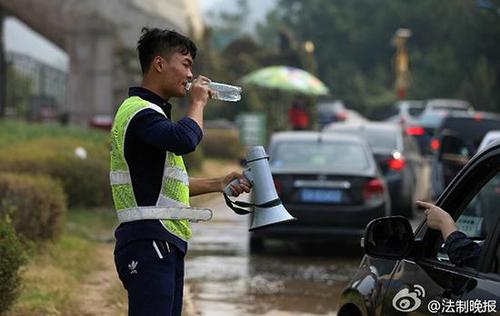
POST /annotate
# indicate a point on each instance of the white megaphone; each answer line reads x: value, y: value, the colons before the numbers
x: 267, y: 207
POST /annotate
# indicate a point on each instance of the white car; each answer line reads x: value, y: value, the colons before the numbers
x: 489, y: 138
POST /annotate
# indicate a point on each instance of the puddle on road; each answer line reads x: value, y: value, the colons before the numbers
x: 255, y: 285
x: 286, y: 280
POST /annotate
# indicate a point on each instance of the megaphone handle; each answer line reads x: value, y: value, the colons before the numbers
x: 227, y: 188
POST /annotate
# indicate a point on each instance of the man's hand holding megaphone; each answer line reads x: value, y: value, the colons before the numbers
x: 237, y: 183
x: 266, y: 207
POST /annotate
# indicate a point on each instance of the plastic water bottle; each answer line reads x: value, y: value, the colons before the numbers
x: 222, y: 91
x: 225, y: 92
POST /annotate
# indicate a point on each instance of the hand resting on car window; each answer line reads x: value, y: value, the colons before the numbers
x: 461, y: 250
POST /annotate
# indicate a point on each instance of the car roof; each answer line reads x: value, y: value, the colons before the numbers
x: 488, y: 138
x: 313, y: 135
x: 473, y: 115
x: 363, y: 126
x: 409, y: 103
x: 452, y: 103
x: 493, y: 134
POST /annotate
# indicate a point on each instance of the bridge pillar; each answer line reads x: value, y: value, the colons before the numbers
x: 91, y: 50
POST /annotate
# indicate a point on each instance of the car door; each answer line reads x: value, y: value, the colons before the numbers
x: 482, y: 295
x: 426, y: 282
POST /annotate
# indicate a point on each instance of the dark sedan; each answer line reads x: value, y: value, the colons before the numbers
x: 329, y: 182
x: 404, y: 273
x: 457, y: 139
x: 405, y: 170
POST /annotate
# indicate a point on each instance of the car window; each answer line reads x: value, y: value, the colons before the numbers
x: 478, y: 219
x: 319, y: 156
x: 432, y: 119
x: 381, y: 139
x: 453, y: 145
x: 415, y: 110
x: 496, y: 263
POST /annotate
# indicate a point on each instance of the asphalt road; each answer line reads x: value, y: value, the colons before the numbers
x: 287, y: 279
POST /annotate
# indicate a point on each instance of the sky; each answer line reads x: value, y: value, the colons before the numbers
x: 20, y: 38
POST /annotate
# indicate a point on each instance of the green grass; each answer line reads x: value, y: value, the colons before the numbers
x: 12, y: 132
x: 51, y: 281
x: 94, y: 225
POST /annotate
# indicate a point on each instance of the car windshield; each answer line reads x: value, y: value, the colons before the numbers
x: 325, y: 156
x: 330, y: 107
x: 431, y: 120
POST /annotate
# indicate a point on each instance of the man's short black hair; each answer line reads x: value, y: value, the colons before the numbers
x: 155, y: 41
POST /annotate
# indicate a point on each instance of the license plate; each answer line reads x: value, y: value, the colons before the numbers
x: 320, y: 196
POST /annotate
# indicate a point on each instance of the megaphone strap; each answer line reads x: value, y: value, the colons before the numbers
x: 269, y: 204
x: 237, y: 210
x: 241, y: 211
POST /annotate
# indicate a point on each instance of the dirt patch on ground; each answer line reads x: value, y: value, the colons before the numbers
x: 102, y: 293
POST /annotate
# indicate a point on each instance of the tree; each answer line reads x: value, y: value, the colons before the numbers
x: 19, y: 90
x: 453, y: 48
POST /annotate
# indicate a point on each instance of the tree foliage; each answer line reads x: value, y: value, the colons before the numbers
x: 19, y: 89
x: 453, y: 50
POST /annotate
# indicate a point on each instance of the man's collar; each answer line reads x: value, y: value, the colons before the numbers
x: 152, y: 97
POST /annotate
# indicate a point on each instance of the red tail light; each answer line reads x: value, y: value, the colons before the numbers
x: 277, y: 185
x: 341, y: 116
x: 478, y: 117
x: 415, y: 131
x: 435, y: 144
x: 396, y: 164
x: 373, y: 192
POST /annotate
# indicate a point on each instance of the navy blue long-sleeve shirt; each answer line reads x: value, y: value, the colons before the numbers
x: 461, y: 250
x: 148, y: 137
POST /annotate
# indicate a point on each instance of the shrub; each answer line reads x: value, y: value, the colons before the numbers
x: 11, y: 258
x: 85, y: 181
x: 36, y: 204
x: 222, y: 143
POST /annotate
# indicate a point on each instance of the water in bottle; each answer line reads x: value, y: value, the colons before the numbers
x: 222, y: 91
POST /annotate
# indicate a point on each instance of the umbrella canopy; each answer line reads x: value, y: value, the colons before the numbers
x: 286, y: 78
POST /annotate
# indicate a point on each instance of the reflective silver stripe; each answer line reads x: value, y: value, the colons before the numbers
x: 156, y: 108
x: 176, y: 174
x: 192, y: 214
x: 119, y: 177
x: 123, y: 177
x: 169, y: 202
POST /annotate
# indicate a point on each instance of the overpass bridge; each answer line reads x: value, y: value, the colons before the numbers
x: 100, y: 39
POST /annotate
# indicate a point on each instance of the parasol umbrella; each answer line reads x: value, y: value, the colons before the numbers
x: 286, y: 78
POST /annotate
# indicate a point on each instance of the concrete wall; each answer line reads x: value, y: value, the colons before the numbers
x: 2, y: 67
x: 92, y: 32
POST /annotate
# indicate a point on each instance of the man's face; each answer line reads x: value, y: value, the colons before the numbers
x: 175, y: 72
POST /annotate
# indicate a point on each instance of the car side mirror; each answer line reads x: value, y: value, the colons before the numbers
x: 388, y: 237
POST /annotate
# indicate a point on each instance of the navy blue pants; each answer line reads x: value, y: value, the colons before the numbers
x: 152, y: 271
